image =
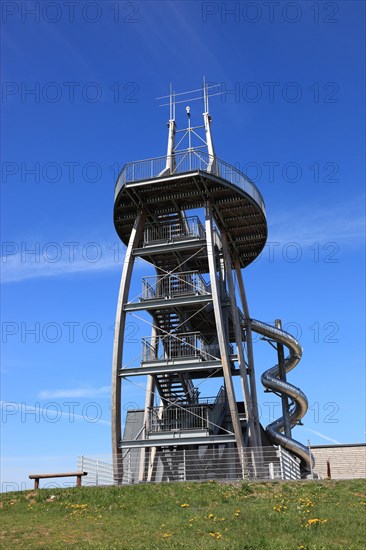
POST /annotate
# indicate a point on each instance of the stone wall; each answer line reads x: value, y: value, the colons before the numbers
x: 345, y: 461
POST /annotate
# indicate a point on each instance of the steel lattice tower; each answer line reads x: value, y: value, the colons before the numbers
x: 199, y: 222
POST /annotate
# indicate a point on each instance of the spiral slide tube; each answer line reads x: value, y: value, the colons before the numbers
x: 271, y: 380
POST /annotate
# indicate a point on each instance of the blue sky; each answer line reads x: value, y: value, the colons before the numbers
x: 292, y: 117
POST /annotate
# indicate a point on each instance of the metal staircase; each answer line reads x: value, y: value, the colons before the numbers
x: 176, y: 389
x: 172, y: 387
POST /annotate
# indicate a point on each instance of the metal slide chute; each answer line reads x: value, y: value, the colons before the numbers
x: 271, y: 380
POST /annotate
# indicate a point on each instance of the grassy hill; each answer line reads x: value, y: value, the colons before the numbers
x: 296, y: 515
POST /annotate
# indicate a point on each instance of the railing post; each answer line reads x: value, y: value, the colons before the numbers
x: 184, y: 465
x: 129, y: 468
x: 311, y: 461
x: 281, y: 462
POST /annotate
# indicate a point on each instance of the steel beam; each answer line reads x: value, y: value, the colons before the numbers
x: 154, y: 304
x: 166, y: 367
x: 149, y: 403
x: 175, y: 246
x: 282, y: 373
x: 118, y: 345
x: 248, y: 327
x: 177, y: 440
x: 225, y: 360
x: 253, y: 437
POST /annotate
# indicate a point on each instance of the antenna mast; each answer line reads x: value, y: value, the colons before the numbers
x: 191, y: 131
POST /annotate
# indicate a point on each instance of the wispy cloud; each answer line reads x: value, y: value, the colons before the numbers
x: 88, y: 392
x: 12, y: 409
x: 319, y: 434
x: 57, y: 260
x: 340, y: 224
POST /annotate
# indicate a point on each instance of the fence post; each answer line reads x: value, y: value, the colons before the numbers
x: 97, y: 472
x: 311, y: 462
x: 281, y: 462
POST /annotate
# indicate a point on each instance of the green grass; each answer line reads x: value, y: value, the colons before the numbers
x: 301, y: 515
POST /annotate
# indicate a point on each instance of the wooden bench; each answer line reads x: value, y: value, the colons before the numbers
x: 37, y: 477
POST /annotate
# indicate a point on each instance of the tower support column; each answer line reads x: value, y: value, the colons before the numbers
x: 253, y: 436
x: 118, y: 344
x: 248, y: 328
x: 282, y: 373
x: 149, y: 403
x: 225, y: 361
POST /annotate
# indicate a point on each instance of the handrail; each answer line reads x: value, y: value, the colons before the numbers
x: 188, y: 161
x: 174, y: 284
x: 167, y: 230
x: 174, y: 346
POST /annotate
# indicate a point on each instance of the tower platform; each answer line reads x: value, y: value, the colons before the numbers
x: 195, y: 178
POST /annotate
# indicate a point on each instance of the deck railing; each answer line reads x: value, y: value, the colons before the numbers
x: 184, y: 162
x: 202, y: 415
x: 191, y: 417
x: 171, y: 231
x: 177, y: 346
x: 177, y: 284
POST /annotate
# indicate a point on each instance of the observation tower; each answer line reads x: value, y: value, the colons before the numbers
x: 199, y: 222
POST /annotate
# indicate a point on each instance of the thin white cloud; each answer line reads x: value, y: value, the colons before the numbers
x: 76, y: 392
x: 319, y: 434
x: 324, y: 436
x: 56, y: 260
x: 11, y: 408
x: 341, y: 224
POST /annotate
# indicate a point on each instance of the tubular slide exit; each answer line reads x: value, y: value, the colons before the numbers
x: 272, y: 382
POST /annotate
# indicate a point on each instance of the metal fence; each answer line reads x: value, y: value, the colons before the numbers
x: 201, y: 463
x: 208, y: 462
x: 170, y: 231
x: 177, y: 346
x: 204, y: 415
x: 190, y: 417
x: 185, y: 162
x: 99, y: 471
x: 174, y: 285
x: 219, y: 463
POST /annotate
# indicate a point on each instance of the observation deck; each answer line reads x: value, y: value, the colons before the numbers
x: 194, y: 178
